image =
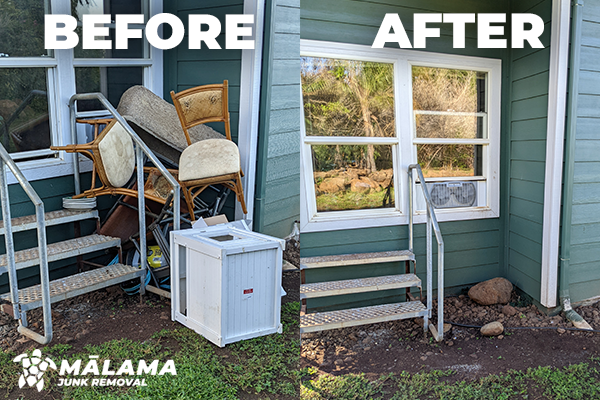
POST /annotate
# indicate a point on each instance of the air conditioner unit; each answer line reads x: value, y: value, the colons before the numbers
x: 452, y: 194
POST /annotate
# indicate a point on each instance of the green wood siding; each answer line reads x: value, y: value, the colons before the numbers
x: 473, y: 248
x: 185, y: 68
x: 529, y: 72
x: 585, y: 231
x: 277, y: 203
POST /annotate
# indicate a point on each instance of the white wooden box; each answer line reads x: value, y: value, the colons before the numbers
x: 226, y: 282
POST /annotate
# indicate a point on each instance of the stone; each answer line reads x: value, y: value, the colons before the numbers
x: 493, y: 291
x: 370, y: 182
x: 348, y: 360
x: 423, y: 358
x: 339, y: 361
x: 359, y: 186
x: 447, y: 328
x: 561, y: 330
x: 508, y: 310
x: 332, y: 185
x: 492, y: 329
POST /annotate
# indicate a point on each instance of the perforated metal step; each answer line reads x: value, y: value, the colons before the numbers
x: 361, y: 316
x: 61, y: 250
x: 74, y: 285
x: 356, y: 259
x: 28, y: 222
x: 334, y: 288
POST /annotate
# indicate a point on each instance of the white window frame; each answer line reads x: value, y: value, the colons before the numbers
x: 60, y: 88
x: 403, y: 150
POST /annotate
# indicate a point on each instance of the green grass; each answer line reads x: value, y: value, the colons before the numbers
x: 574, y: 382
x: 267, y: 366
x: 351, y: 200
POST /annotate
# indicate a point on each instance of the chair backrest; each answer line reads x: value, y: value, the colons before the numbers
x: 202, y: 104
x: 115, y: 157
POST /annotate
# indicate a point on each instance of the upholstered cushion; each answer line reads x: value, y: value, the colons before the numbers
x: 202, y: 105
x: 116, y: 152
x: 208, y: 158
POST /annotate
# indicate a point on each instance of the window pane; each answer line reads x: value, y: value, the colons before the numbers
x: 449, y: 103
x: 434, y: 124
x: 445, y: 160
x: 349, y: 177
x: 22, y: 28
x: 348, y: 98
x: 135, y: 46
x: 24, y: 120
x: 110, y: 81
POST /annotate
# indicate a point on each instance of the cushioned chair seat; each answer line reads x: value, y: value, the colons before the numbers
x: 209, y: 158
x: 116, y: 152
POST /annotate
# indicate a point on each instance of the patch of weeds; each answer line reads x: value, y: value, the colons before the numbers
x: 269, y: 363
x: 345, y: 387
x: 9, y: 373
x: 579, y: 381
x: 413, y: 386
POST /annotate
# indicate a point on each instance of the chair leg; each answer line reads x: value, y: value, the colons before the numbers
x: 240, y: 193
x: 189, y: 201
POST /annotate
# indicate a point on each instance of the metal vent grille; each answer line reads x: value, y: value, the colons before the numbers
x: 452, y: 194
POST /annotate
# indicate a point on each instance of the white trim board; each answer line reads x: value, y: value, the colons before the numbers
x: 250, y: 81
x: 557, y: 103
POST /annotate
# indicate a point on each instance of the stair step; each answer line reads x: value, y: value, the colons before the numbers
x: 334, y: 288
x: 75, y: 285
x: 356, y: 259
x: 61, y: 250
x: 59, y: 217
x: 361, y: 316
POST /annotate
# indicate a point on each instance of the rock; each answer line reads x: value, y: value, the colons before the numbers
x: 332, y: 185
x: 508, y: 310
x: 490, y: 292
x: 447, y: 328
x: 561, y: 330
x: 501, y: 337
x: 423, y: 358
x: 370, y: 182
x: 492, y: 329
x: 429, y: 353
x: 367, y: 348
x: 339, y: 361
x: 450, y: 343
x: 359, y: 186
x: 348, y: 360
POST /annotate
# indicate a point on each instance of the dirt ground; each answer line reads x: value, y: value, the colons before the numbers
x: 401, y: 345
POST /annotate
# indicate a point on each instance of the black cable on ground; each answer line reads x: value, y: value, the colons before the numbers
x: 525, y: 327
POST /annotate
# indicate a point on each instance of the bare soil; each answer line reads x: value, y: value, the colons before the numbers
x: 402, y: 345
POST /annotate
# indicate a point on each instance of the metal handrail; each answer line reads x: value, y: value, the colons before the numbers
x: 141, y: 149
x: 6, y: 160
x: 432, y: 223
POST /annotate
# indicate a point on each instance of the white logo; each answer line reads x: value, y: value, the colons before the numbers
x: 33, y: 369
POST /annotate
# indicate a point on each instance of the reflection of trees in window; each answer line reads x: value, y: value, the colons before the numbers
x: 22, y: 28
x: 348, y: 98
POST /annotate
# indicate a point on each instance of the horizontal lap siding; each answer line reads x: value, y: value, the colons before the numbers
x: 280, y: 206
x: 185, y: 68
x: 585, y: 230
x: 528, y: 129
x: 472, y: 247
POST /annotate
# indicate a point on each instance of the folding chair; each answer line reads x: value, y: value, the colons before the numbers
x: 212, y: 161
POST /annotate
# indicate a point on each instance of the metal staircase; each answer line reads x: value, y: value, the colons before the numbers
x: 385, y: 312
x: 48, y: 292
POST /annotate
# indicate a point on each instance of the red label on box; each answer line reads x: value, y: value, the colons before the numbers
x: 248, y: 291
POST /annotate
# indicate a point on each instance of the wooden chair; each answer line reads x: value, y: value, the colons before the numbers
x: 113, y: 157
x: 212, y: 161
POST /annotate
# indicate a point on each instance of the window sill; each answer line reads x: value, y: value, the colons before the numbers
x: 322, y: 223
x: 36, y: 170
